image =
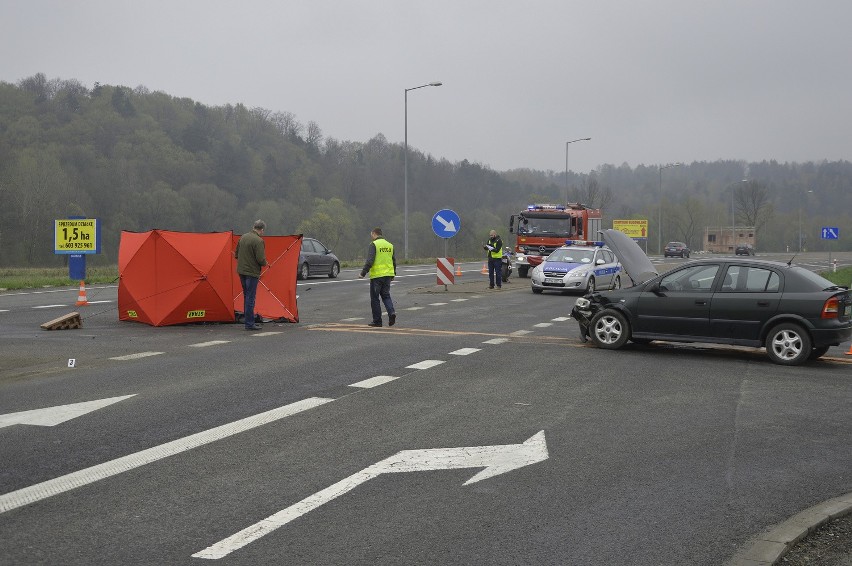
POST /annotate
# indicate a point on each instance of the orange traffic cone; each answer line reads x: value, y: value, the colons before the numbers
x: 849, y: 353
x: 81, y: 298
x: 458, y: 270
x: 484, y: 269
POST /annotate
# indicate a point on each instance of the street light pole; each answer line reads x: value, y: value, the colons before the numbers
x: 733, y: 221
x: 566, y: 164
x: 804, y: 195
x: 660, y: 212
x: 405, y: 205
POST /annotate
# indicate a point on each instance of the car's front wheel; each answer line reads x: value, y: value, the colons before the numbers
x: 335, y: 270
x: 304, y: 271
x: 609, y: 330
x: 788, y: 344
x: 590, y: 286
x: 616, y: 283
x: 537, y: 291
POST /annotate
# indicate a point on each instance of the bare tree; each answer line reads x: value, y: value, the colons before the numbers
x: 753, y: 204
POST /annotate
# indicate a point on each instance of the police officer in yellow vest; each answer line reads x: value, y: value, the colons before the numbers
x: 494, y: 247
x: 381, y: 264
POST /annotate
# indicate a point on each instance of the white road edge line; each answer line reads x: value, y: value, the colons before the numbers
x: 49, y: 488
x: 211, y: 343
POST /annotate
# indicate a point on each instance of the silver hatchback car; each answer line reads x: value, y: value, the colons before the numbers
x: 578, y: 266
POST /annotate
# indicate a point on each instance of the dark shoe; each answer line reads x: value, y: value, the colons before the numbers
x: 391, y: 319
x: 375, y: 324
x: 491, y: 287
x: 253, y: 327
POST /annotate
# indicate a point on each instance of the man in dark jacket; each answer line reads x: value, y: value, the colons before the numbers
x: 251, y: 256
x: 494, y: 247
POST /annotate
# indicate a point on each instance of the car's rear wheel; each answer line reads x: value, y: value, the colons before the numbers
x: 685, y: 255
x: 817, y: 353
x: 304, y: 271
x: 335, y: 270
x: 609, y: 330
x: 788, y: 344
x: 616, y: 283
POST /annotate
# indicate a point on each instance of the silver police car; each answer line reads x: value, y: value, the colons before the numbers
x: 578, y: 266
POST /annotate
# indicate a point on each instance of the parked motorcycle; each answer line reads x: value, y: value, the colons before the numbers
x: 507, y: 263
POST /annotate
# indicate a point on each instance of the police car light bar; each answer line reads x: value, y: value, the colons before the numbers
x: 546, y: 207
x: 584, y: 243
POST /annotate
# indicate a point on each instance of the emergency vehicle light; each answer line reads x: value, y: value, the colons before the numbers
x: 545, y: 207
x: 584, y: 243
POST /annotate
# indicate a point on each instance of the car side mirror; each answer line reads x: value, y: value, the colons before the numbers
x: 657, y: 289
x: 599, y: 261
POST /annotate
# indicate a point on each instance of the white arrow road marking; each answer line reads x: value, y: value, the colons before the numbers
x: 449, y: 225
x: 495, y: 459
x: 52, y: 416
x: 49, y: 488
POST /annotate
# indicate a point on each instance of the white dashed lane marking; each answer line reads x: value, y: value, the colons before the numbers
x: 520, y: 332
x: 425, y: 364
x: 465, y: 351
x: 211, y: 343
x: 437, y: 304
x: 561, y: 318
x: 496, y: 341
x: 374, y: 381
x: 136, y: 356
x: 543, y: 324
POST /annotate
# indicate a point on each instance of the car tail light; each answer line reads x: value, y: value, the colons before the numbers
x: 831, y: 308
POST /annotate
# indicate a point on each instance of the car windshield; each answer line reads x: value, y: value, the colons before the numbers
x: 569, y: 255
x: 556, y: 227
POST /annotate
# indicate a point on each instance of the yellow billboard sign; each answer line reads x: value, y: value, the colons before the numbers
x: 76, y: 236
x: 632, y: 228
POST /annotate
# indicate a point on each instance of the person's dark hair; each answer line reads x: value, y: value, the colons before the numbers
x: 377, y: 231
x: 259, y: 225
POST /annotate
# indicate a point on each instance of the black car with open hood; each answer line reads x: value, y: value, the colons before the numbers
x: 792, y: 312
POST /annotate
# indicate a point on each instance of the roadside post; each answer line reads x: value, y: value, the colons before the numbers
x: 446, y: 224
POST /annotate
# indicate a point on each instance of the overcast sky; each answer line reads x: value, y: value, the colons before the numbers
x: 650, y: 82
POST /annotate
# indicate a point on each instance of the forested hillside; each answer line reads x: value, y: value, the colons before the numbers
x: 139, y: 160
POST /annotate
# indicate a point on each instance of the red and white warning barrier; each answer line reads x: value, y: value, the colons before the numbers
x: 445, y: 271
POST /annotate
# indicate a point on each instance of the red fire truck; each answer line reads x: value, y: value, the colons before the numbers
x: 542, y: 228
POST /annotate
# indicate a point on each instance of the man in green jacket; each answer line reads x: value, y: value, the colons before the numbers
x: 251, y: 256
x: 381, y: 264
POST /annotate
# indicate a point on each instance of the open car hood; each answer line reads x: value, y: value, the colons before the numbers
x: 634, y: 261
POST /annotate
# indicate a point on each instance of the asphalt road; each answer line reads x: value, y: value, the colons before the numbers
x: 320, y: 442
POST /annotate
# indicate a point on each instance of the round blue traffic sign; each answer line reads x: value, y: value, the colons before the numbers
x: 446, y: 223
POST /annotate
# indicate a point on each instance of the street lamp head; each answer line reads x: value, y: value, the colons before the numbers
x: 436, y: 83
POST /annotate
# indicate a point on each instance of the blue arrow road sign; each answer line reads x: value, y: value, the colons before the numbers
x: 446, y: 223
x: 830, y: 232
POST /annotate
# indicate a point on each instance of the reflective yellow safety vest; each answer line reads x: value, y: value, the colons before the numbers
x: 496, y: 252
x: 383, y: 264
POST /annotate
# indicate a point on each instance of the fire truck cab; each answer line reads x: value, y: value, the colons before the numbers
x: 542, y: 228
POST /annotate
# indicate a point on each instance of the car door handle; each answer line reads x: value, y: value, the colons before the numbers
x: 763, y: 303
x: 701, y: 302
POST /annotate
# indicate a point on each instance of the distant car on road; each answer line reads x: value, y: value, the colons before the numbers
x: 676, y: 249
x: 316, y: 259
x: 744, y: 249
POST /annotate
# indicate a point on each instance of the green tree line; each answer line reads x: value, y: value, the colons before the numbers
x: 140, y: 160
